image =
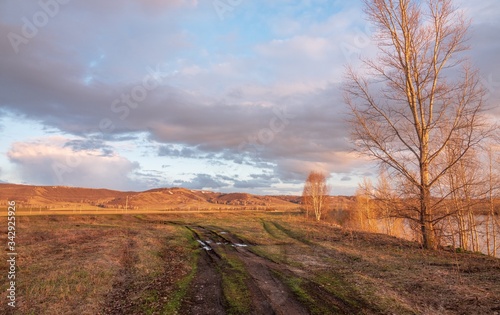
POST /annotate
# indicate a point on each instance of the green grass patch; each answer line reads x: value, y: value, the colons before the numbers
x: 293, y: 234
x: 336, y: 285
x: 174, y: 303
x: 271, y: 231
x: 234, y: 285
x: 297, y: 286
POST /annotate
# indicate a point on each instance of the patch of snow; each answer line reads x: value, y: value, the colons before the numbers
x: 240, y: 245
x: 204, y: 246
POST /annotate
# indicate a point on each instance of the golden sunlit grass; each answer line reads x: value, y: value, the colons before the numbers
x: 64, y: 264
x: 68, y: 264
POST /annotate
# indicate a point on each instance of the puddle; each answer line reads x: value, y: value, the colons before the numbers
x: 240, y: 245
x: 204, y: 246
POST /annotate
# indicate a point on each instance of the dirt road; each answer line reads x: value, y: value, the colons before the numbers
x: 262, y: 281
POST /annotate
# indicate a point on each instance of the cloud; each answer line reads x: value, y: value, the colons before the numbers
x: 171, y: 151
x: 90, y: 144
x: 257, y: 181
x: 219, y: 88
x: 51, y: 162
x: 202, y: 181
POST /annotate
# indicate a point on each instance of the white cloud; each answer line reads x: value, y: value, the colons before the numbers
x: 49, y: 162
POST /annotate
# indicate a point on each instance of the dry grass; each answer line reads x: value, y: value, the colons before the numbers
x: 70, y: 264
x: 141, y: 264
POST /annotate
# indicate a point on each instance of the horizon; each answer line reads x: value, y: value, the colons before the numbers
x: 157, y: 188
x: 240, y: 97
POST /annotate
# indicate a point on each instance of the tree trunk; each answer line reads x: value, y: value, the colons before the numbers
x: 428, y: 234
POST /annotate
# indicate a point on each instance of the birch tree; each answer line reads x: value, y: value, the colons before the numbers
x: 315, y: 194
x: 418, y: 95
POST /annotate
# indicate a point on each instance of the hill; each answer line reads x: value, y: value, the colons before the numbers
x: 169, y: 198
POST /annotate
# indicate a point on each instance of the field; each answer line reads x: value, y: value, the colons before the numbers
x: 235, y: 263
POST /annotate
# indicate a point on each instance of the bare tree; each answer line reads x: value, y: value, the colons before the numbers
x: 363, y: 216
x: 315, y: 194
x: 416, y: 97
x: 467, y: 189
x: 387, y: 202
x: 492, y: 228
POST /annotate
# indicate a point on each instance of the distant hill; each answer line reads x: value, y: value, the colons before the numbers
x: 169, y: 198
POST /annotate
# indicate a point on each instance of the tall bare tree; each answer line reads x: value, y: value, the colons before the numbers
x: 315, y: 194
x: 416, y: 97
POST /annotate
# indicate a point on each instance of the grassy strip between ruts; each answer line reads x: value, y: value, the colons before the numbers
x: 234, y: 284
x: 297, y: 286
x: 293, y: 234
x: 174, y: 301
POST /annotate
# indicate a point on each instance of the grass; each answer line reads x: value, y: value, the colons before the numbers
x: 81, y: 256
x: 293, y: 234
x: 76, y: 262
x: 234, y: 285
x: 315, y: 305
x: 71, y: 265
x: 269, y: 229
x: 174, y: 303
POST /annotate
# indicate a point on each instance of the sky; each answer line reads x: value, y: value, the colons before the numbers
x: 222, y: 95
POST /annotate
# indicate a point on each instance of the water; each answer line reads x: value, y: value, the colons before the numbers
x: 447, y: 228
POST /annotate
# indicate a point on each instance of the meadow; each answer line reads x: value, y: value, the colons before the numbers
x: 235, y: 263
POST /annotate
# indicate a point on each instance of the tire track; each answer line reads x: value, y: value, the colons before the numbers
x: 204, y: 295
x: 269, y: 295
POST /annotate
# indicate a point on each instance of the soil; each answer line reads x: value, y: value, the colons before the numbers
x: 269, y: 295
x: 204, y: 295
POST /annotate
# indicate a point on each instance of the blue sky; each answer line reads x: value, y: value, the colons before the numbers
x: 223, y: 95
